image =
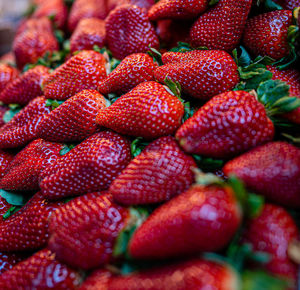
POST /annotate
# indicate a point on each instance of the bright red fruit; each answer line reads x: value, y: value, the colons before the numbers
x: 90, y: 166
x: 137, y: 33
x: 4, y: 207
x: 3, y: 110
x: 26, y: 87
x: 8, y: 260
x: 7, y: 74
x: 288, y: 4
x: 228, y: 124
x: 40, y: 271
x: 133, y: 70
x: 204, y: 218
x: 222, y: 26
x: 83, y: 232
x: 8, y: 58
x: 82, y: 71
x: 22, y: 174
x: 147, y: 4
x: 99, y: 280
x: 272, y: 170
x: 160, y: 172
x: 148, y: 111
x: 74, y: 120
x: 5, y: 160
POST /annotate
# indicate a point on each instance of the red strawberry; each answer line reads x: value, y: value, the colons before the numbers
x: 3, y: 110
x: 266, y: 34
x: 146, y: 4
x: 5, y: 160
x: 67, y: 80
x: 288, y: 4
x: 8, y: 260
x: 83, y: 232
x: 133, y: 70
x: 201, y: 74
x: 128, y: 30
x: 222, y: 26
x: 23, y: 172
x: 8, y: 58
x: 26, y: 87
x: 99, y: 280
x: 74, y: 120
x: 40, y: 271
x: 177, y: 9
x: 22, y: 128
x: 272, y: 170
x: 89, y: 32
x: 204, y: 218
x: 90, y: 166
x: 192, y: 274
x: 228, y: 124
x: 160, y: 172
x: 4, y: 207
x: 7, y: 74
x: 27, y: 229
x: 148, y: 110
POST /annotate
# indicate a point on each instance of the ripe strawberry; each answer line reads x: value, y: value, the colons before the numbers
x: 5, y: 160
x: 74, y: 120
x: 201, y: 74
x: 3, y: 110
x: 288, y: 4
x: 99, y: 280
x: 148, y: 111
x: 272, y: 170
x: 7, y: 74
x: 160, y: 172
x: 22, y: 128
x: 133, y: 70
x: 204, y: 218
x: 83, y: 231
x: 192, y: 274
x: 132, y: 23
x: 27, y: 229
x: 23, y: 172
x: 67, y: 80
x: 176, y: 9
x: 222, y: 26
x: 90, y: 166
x: 4, y: 206
x: 266, y: 34
x: 40, y: 271
x: 228, y: 124
x: 89, y: 32
x: 146, y: 4
x: 8, y: 58
x: 8, y: 260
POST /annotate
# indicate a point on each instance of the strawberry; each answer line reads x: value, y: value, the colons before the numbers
x: 288, y: 4
x: 222, y: 26
x: 191, y: 274
x: 83, y: 232
x: 160, y: 172
x: 22, y: 128
x: 176, y: 9
x: 148, y: 111
x: 201, y: 74
x: 3, y: 110
x: 67, y: 80
x: 8, y: 260
x: 204, y: 218
x: 128, y: 30
x: 7, y: 74
x: 26, y: 87
x: 146, y: 4
x: 23, y: 172
x: 90, y: 166
x: 5, y: 160
x: 98, y: 279
x: 88, y: 32
x: 272, y: 170
x: 133, y: 70
x: 40, y: 271
x: 8, y: 58
x: 266, y: 34
x: 4, y: 207
x: 27, y: 229
x: 228, y: 124
x: 74, y: 120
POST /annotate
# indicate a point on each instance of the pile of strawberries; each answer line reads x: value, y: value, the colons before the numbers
x: 151, y: 145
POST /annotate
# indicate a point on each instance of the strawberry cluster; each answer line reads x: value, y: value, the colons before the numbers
x: 151, y: 145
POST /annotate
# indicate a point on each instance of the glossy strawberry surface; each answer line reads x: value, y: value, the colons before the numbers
x: 4, y: 207
x: 146, y: 4
x: 7, y: 74
x: 8, y: 260
x: 288, y: 4
x: 98, y: 279
x: 3, y: 110
x: 5, y: 160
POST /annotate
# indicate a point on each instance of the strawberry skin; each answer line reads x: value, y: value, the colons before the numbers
x: 272, y: 170
x: 5, y: 160
x: 26, y: 87
x: 4, y: 207
x: 40, y: 271
x: 8, y: 260
x: 90, y: 166
x: 222, y: 26
x: 228, y: 124
x: 148, y: 111
x: 67, y: 80
x: 3, y: 110
x: 99, y: 280
x: 83, y: 231
x: 288, y: 4
x: 204, y: 218
x: 89, y: 32
x: 146, y: 4
x: 74, y: 120
x: 133, y: 70
x: 23, y: 172
x: 132, y: 23
x: 160, y: 172
x: 266, y: 34
x: 201, y: 74
x: 7, y: 74
x: 8, y: 58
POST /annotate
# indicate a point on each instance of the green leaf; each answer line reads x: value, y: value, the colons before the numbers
x: 287, y: 104
x: 53, y: 103
x: 138, y: 145
x: 60, y: 36
x: 291, y: 138
x: 174, y: 86
x: 207, y: 163
x: 255, y: 205
x: 213, y: 2
x: 14, y: 110
x: 239, y: 189
x: 13, y: 198
x: 270, y: 5
x: 182, y: 47
x: 10, y: 212
x: 188, y: 111
x: 31, y: 9
x: 244, y: 59
x: 66, y: 149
